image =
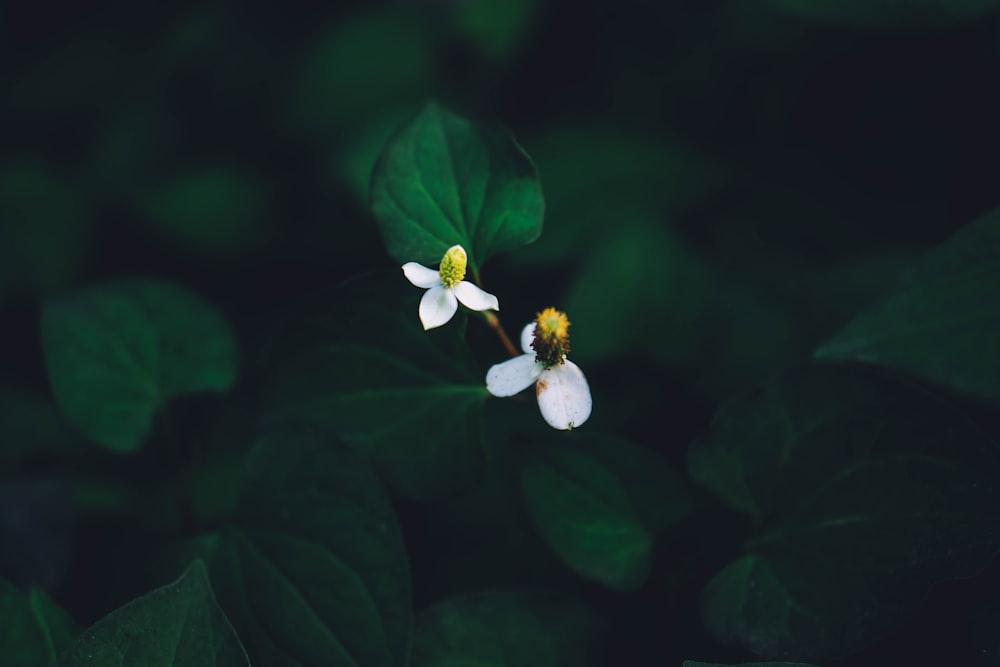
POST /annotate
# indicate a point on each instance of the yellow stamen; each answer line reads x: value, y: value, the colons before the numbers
x: 551, y: 342
x: 453, y: 266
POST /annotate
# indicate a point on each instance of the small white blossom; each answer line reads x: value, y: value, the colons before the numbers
x: 446, y: 287
x: 562, y: 390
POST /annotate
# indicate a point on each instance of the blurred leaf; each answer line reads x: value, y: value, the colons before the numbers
x: 134, y: 139
x: 495, y: 27
x: 214, y: 208
x: 694, y: 663
x: 888, y: 12
x: 44, y: 227
x: 940, y: 321
x: 118, y: 352
x: 641, y: 273
x: 178, y: 625
x: 864, y: 490
x: 443, y: 180
x: 314, y: 572
x: 34, y: 630
x: 361, y: 366
x: 360, y: 65
x: 599, y: 502
x: 505, y: 629
x: 598, y: 177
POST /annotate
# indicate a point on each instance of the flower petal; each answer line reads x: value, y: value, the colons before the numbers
x: 420, y: 275
x: 474, y: 298
x: 564, y: 396
x: 437, y: 306
x: 512, y: 376
x: 527, y: 337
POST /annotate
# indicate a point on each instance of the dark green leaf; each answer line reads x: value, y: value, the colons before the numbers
x: 444, y: 180
x: 213, y: 208
x: 313, y: 572
x: 178, y: 625
x: 34, y: 629
x: 39, y: 204
x: 57, y: 624
x: 505, y: 629
x: 360, y: 66
x: 362, y: 367
x: 118, y: 352
x: 864, y: 490
x: 940, y: 323
x: 599, y: 502
x: 887, y: 12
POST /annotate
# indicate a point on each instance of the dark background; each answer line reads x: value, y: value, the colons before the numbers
x: 726, y: 185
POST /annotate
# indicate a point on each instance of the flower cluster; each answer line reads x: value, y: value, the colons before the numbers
x: 560, y: 386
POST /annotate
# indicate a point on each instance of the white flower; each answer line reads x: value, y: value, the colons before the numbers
x: 562, y: 390
x: 446, y: 287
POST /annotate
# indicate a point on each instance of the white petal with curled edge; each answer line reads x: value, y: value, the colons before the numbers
x: 420, y: 275
x: 563, y: 396
x: 474, y: 298
x: 527, y: 337
x: 512, y: 376
x: 437, y: 307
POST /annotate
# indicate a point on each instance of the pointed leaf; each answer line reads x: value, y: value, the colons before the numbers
x: 34, y: 629
x: 118, y: 352
x: 940, y: 322
x: 599, y: 502
x: 178, y: 625
x: 444, y: 180
x: 313, y: 572
x: 865, y: 491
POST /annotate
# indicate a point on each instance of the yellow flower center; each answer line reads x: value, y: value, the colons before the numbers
x: 551, y: 342
x: 453, y: 266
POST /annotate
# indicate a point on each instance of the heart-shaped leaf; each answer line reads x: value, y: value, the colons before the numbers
x: 505, y: 629
x: 864, y: 490
x: 313, y: 571
x: 444, y: 180
x: 118, y: 352
x: 887, y: 12
x: 35, y: 630
x: 599, y: 502
x: 362, y: 367
x: 178, y: 625
x: 940, y: 322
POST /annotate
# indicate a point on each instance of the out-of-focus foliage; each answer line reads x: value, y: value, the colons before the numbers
x: 758, y: 209
x: 118, y: 353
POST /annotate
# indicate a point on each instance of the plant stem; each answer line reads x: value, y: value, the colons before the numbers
x: 494, y: 323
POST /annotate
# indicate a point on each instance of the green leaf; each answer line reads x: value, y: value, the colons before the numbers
x: 313, y: 571
x: 940, y: 322
x: 213, y: 208
x: 864, y: 491
x: 887, y: 12
x: 178, y: 625
x: 505, y: 629
x: 359, y: 66
x: 362, y: 367
x: 694, y: 663
x: 118, y: 352
x: 35, y: 630
x: 599, y: 502
x: 39, y: 204
x: 444, y: 180
x: 58, y: 625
